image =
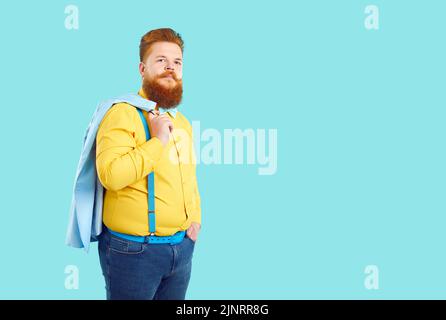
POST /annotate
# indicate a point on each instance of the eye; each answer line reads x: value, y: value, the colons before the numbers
x: 160, y: 59
x: 178, y: 63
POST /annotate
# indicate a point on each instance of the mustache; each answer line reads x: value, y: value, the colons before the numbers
x: 168, y: 73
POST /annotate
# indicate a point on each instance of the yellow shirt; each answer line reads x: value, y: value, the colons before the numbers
x: 124, y: 158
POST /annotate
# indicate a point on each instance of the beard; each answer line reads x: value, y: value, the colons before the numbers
x: 165, y: 97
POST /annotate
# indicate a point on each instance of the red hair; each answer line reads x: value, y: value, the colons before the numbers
x: 157, y: 35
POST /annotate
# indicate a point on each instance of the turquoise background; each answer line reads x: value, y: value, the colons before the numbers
x: 360, y: 121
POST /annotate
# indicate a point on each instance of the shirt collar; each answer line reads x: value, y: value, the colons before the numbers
x: 171, y: 111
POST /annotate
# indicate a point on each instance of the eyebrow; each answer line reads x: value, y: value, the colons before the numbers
x: 166, y: 57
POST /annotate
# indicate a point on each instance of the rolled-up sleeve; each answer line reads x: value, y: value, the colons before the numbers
x: 120, y: 162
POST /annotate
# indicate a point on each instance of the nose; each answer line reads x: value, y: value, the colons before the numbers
x: 168, y: 67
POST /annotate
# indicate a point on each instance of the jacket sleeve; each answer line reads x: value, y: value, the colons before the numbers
x: 119, y: 161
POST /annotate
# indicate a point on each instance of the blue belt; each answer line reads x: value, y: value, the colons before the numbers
x: 173, y: 239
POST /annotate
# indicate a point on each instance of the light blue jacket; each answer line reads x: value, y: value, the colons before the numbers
x: 85, y: 221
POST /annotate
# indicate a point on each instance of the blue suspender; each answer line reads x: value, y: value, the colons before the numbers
x: 150, y: 182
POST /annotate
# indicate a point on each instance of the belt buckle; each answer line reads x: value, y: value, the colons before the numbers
x: 149, y: 236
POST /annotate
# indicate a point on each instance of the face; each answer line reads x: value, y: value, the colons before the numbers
x: 162, y: 74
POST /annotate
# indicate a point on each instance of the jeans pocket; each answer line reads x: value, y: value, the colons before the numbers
x: 124, y: 246
x: 190, y: 239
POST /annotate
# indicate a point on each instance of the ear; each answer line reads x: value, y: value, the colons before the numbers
x: 142, y: 68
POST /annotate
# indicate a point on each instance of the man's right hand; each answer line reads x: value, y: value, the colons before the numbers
x: 160, y: 125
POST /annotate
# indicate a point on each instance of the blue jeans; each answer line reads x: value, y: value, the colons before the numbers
x: 144, y: 271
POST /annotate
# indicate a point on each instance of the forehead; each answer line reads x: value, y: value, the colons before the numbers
x: 168, y: 49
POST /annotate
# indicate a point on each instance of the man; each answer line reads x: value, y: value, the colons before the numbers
x: 135, y: 261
